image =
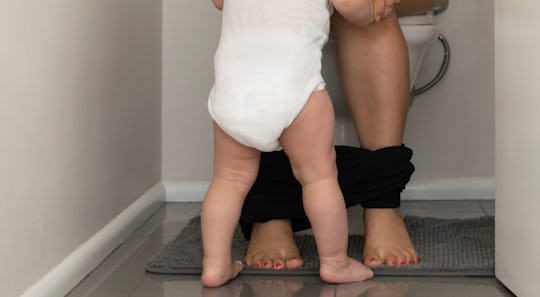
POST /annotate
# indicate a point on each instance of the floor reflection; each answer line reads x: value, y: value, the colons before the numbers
x: 382, y: 286
x: 301, y: 288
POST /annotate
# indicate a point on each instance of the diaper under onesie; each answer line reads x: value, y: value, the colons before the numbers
x: 267, y: 64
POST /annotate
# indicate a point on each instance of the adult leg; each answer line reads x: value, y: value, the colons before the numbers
x: 235, y: 170
x: 374, y: 71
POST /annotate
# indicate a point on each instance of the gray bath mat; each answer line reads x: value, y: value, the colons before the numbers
x: 447, y: 247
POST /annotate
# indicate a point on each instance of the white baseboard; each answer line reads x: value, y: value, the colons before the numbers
x: 186, y: 191
x: 454, y: 188
x: 459, y: 188
x: 65, y: 276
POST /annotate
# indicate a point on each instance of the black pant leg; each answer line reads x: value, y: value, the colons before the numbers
x: 276, y: 194
x: 373, y: 179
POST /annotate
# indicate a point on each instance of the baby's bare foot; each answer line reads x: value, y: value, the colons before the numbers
x: 387, y: 239
x: 344, y: 271
x: 217, y: 272
x: 272, y: 246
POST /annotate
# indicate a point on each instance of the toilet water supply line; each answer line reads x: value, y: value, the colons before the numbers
x: 440, y: 74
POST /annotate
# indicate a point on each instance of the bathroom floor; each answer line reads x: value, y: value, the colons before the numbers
x: 122, y: 273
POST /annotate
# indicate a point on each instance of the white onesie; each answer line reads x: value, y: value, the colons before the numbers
x: 267, y: 64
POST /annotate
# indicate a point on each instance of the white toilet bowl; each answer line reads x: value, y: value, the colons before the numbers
x: 419, y: 31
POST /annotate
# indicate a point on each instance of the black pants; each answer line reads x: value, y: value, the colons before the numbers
x: 373, y: 179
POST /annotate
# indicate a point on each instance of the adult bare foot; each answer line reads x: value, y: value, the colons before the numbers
x: 272, y: 246
x: 387, y: 239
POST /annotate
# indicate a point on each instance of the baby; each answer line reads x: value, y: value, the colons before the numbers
x: 268, y: 95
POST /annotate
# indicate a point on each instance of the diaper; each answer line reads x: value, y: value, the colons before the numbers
x: 267, y: 65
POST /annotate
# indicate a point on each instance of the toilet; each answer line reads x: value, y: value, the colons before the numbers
x: 419, y: 31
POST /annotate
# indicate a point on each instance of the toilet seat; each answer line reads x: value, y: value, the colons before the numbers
x: 417, y: 20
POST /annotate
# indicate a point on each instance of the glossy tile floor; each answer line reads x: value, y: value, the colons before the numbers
x: 122, y: 273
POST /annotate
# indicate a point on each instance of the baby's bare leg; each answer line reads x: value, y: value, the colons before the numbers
x: 308, y: 142
x: 235, y: 170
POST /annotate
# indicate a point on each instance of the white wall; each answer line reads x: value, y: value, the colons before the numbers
x: 450, y: 127
x: 517, y: 44
x: 79, y: 125
x: 190, y: 37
